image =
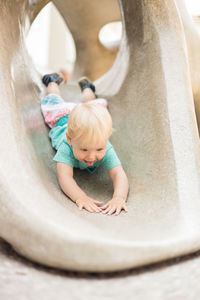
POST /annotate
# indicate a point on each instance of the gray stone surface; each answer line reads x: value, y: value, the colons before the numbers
x: 20, y: 279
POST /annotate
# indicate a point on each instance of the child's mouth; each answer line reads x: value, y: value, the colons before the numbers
x: 89, y: 163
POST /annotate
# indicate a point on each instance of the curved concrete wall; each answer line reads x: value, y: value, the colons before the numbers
x: 193, y: 44
x: 150, y: 99
x: 85, y: 19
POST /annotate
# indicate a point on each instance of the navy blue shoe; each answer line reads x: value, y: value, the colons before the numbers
x: 84, y: 83
x: 54, y: 77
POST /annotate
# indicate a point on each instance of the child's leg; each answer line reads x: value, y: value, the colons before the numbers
x: 53, y: 88
x: 88, y: 92
x: 53, y: 106
x: 88, y: 95
x: 88, y: 89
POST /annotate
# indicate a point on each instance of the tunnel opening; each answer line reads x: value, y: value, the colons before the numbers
x: 193, y: 8
x: 52, y: 47
x: 50, y: 43
x: 110, y: 35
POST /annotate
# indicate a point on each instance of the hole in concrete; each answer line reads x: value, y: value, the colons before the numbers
x: 110, y: 35
x: 50, y: 43
x: 193, y: 7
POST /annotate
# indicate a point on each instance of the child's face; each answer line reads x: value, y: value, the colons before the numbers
x: 88, y: 153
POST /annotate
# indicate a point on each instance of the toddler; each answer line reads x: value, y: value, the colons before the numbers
x: 80, y: 133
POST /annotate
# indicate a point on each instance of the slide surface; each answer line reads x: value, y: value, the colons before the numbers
x: 150, y: 98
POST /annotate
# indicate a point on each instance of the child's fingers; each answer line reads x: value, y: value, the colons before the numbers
x: 107, y: 210
x: 96, y: 208
x: 118, y: 211
x: 89, y: 208
x: 98, y: 202
x: 120, y: 208
x: 80, y: 206
x: 105, y: 206
x: 125, y: 208
x: 112, y: 210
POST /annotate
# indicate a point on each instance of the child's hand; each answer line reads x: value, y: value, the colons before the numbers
x: 89, y: 204
x: 116, y: 204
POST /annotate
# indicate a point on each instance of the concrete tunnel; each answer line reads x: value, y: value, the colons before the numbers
x: 150, y: 87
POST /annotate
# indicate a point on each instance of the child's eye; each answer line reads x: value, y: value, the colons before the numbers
x: 100, y: 149
x: 84, y: 150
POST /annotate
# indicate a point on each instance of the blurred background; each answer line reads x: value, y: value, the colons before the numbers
x: 51, y: 45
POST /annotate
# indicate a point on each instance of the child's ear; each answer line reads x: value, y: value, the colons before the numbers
x: 69, y: 140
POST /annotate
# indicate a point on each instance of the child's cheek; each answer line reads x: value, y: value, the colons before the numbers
x: 76, y: 154
x: 101, y: 156
x: 79, y: 155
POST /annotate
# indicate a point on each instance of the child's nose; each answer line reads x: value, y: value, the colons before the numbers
x: 92, y: 156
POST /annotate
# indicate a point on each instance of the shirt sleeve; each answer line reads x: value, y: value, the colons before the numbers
x: 64, y: 155
x: 111, y: 159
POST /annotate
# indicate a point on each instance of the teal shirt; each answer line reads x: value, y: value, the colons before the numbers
x: 65, y: 152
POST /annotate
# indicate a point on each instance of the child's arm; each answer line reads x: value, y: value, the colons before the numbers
x: 121, y: 187
x: 73, y: 191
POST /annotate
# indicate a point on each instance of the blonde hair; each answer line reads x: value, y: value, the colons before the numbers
x: 90, y: 122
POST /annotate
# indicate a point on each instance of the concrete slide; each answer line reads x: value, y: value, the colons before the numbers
x: 150, y: 98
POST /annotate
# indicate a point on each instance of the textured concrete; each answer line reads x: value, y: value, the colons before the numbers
x: 20, y: 279
x: 85, y: 19
x: 150, y: 99
x: 193, y: 44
